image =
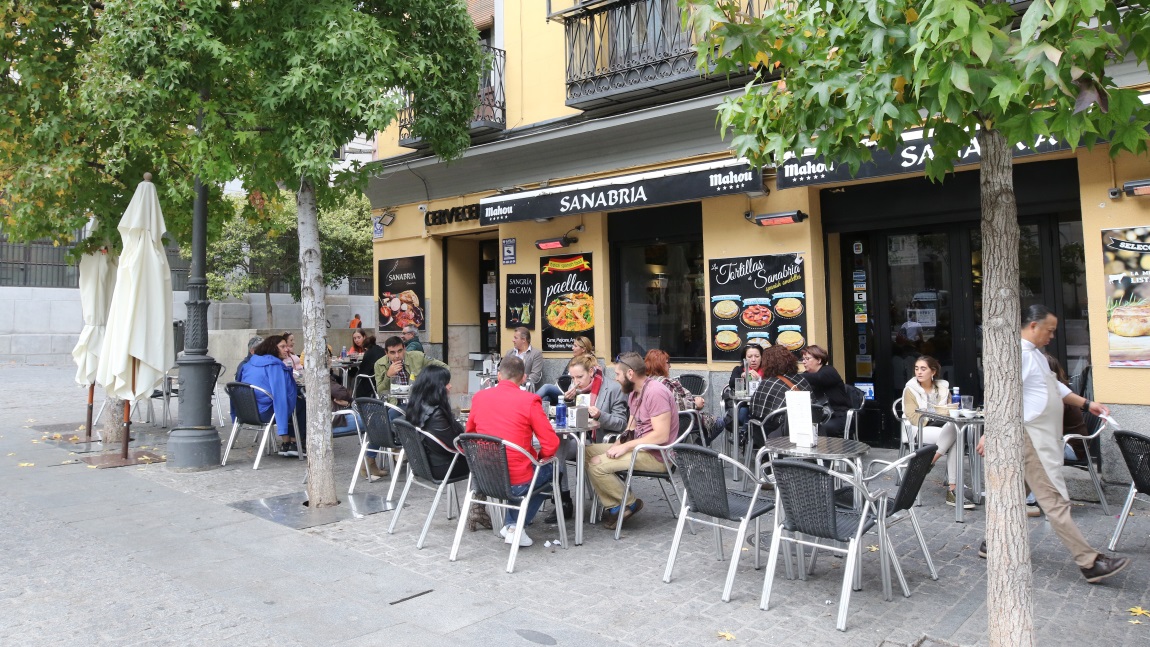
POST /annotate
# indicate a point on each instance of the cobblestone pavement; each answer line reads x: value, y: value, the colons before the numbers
x: 133, y: 589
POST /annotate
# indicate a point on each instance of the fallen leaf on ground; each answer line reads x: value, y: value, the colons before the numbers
x: 69, y: 462
x: 74, y: 438
x: 1135, y: 622
x: 11, y: 453
x: 1138, y: 611
x: 91, y: 467
x: 31, y: 420
x: 26, y: 465
x: 873, y: 548
x: 726, y: 635
x: 56, y: 436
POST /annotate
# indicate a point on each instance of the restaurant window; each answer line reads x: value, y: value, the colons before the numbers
x: 659, y: 277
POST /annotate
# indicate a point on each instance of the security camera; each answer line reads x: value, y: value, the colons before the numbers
x: 422, y: 208
x: 1115, y: 193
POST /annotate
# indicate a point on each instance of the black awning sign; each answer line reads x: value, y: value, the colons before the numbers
x: 627, y: 193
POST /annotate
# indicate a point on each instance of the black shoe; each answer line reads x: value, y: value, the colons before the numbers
x: 568, y: 511
x: 982, y: 550
x: 1103, y: 568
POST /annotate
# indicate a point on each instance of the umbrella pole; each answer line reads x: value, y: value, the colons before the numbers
x: 128, y: 415
x: 91, y: 396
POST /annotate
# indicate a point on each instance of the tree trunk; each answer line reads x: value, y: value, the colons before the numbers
x: 1008, y: 579
x: 268, y: 305
x: 321, y: 461
x: 112, y: 429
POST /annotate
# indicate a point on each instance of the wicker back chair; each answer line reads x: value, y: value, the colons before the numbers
x: 911, y: 470
x: 696, y: 384
x: 377, y: 418
x: 705, y: 493
x: 419, y: 472
x: 490, y: 476
x: 687, y: 430
x: 1135, y: 448
x: 858, y: 400
x: 246, y: 412
x: 808, y: 516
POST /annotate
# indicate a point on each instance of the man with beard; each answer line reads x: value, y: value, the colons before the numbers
x: 654, y: 420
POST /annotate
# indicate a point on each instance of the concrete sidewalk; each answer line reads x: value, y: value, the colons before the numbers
x: 141, y: 555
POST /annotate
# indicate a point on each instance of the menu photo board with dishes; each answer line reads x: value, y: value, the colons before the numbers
x: 520, y: 301
x: 566, y: 301
x: 756, y: 300
x: 1126, y: 254
x: 401, y: 295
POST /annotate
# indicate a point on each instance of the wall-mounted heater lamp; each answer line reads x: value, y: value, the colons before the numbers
x: 1136, y: 187
x: 779, y: 218
x: 555, y: 243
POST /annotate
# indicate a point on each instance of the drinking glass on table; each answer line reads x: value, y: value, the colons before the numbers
x: 967, y: 402
x: 740, y: 387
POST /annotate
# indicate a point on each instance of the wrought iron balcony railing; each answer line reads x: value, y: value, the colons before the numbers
x: 491, y: 113
x: 630, y: 49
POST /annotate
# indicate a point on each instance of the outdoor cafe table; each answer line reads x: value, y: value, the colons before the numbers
x: 974, y: 425
x: 580, y: 436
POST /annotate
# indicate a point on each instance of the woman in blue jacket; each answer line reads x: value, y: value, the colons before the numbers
x: 266, y: 369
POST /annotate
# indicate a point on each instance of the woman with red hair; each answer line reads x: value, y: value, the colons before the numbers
x: 658, y: 365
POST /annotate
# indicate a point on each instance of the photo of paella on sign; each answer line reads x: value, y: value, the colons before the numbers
x: 572, y: 312
x: 566, y: 300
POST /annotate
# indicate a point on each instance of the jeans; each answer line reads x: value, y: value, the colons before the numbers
x: 550, y: 392
x: 542, y: 492
x: 348, y: 426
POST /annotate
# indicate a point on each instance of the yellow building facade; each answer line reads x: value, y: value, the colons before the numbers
x: 597, y: 128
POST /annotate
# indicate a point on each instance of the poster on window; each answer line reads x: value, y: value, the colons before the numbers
x: 756, y: 300
x: 401, y: 296
x: 568, y: 307
x: 520, y: 301
x: 1126, y: 255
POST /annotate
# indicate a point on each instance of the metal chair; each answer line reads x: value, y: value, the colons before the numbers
x: 419, y: 472
x: 487, y: 459
x: 858, y: 401
x: 696, y: 384
x: 806, y: 513
x: 1093, y: 461
x: 686, y: 429
x: 168, y: 387
x: 1135, y: 448
x: 912, y: 470
x: 346, y: 412
x: 705, y: 493
x: 908, y: 437
x: 246, y: 412
x: 819, y: 414
x: 217, y: 402
x: 369, y: 379
x: 378, y: 431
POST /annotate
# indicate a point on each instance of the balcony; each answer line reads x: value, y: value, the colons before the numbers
x: 490, y: 115
x: 622, y: 51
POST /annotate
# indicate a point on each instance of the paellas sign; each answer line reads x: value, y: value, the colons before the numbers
x: 520, y: 301
x: 625, y: 192
x: 565, y: 283
x: 401, y: 295
x: 910, y: 157
x: 1126, y: 264
x: 756, y: 300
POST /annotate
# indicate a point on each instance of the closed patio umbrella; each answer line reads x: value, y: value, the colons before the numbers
x: 138, y: 346
x: 97, y: 281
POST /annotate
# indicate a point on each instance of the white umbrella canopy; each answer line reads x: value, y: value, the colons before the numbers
x: 97, y: 281
x: 138, y: 336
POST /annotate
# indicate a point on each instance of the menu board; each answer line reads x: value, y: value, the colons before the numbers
x: 1126, y: 258
x: 401, y: 295
x: 568, y: 307
x: 520, y: 301
x: 756, y: 300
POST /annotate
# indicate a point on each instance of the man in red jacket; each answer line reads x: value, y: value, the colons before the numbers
x: 510, y: 413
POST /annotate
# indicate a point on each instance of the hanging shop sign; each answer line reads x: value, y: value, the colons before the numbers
x: 401, y: 295
x: 1126, y: 259
x: 756, y: 300
x: 567, y: 301
x: 520, y: 301
x: 910, y: 157
x: 454, y: 214
x: 625, y: 192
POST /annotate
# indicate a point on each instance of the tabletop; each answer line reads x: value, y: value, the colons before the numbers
x: 826, y: 447
x: 956, y: 419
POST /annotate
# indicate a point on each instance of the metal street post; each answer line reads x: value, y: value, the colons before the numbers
x: 195, y: 444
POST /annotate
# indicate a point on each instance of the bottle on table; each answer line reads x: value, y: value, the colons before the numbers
x: 561, y: 414
x: 955, y: 398
x: 343, y: 353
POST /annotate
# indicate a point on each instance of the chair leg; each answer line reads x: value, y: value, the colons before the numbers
x: 897, y: 567
x: 772, y: 562
x: 359, y: 462
x: 848, y: 581
x: 520, y: 524
x: 263, y: 444
x: 718, y: 532
x: 1097, y: 482
x: 622, y: 507
x: 884, y: 564
x: 922, y: 544
x: 395, y: 474
x: 231, y: 441
x: 431, y: 512
x: 462, y: 522
x: 668, y: 498
x: 557, y: 499
x: 1122, y: 518
x: 675, y: 542
x: 399, y: 506
x: 736, y: 553
x: 758, y: 538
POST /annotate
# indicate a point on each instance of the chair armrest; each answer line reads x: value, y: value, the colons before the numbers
x: 1092, y: 436
x: 743, y: 468
x: 398, y: 409
x: 859, y: 486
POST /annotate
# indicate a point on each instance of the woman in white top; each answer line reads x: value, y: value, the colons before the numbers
x: 921, y: 392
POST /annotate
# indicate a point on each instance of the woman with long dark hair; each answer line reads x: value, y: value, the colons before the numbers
x: 827, y: 386
x: 267, y: 369
x: 429, y: 408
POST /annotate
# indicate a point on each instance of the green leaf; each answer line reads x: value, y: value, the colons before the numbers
x: 1031, y: 20
x: 960, y: 78
x: 981, y: 45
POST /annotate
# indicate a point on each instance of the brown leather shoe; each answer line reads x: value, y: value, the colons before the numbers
x: 1103, y: 568
x: 630, y: 510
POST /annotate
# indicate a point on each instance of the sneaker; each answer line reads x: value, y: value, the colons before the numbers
x: 1032, y: 510
x: 630, y: 510
x: 508, y: 533
x: 1103, y: 568
x: 982, y: 550
x: 951, y: 500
